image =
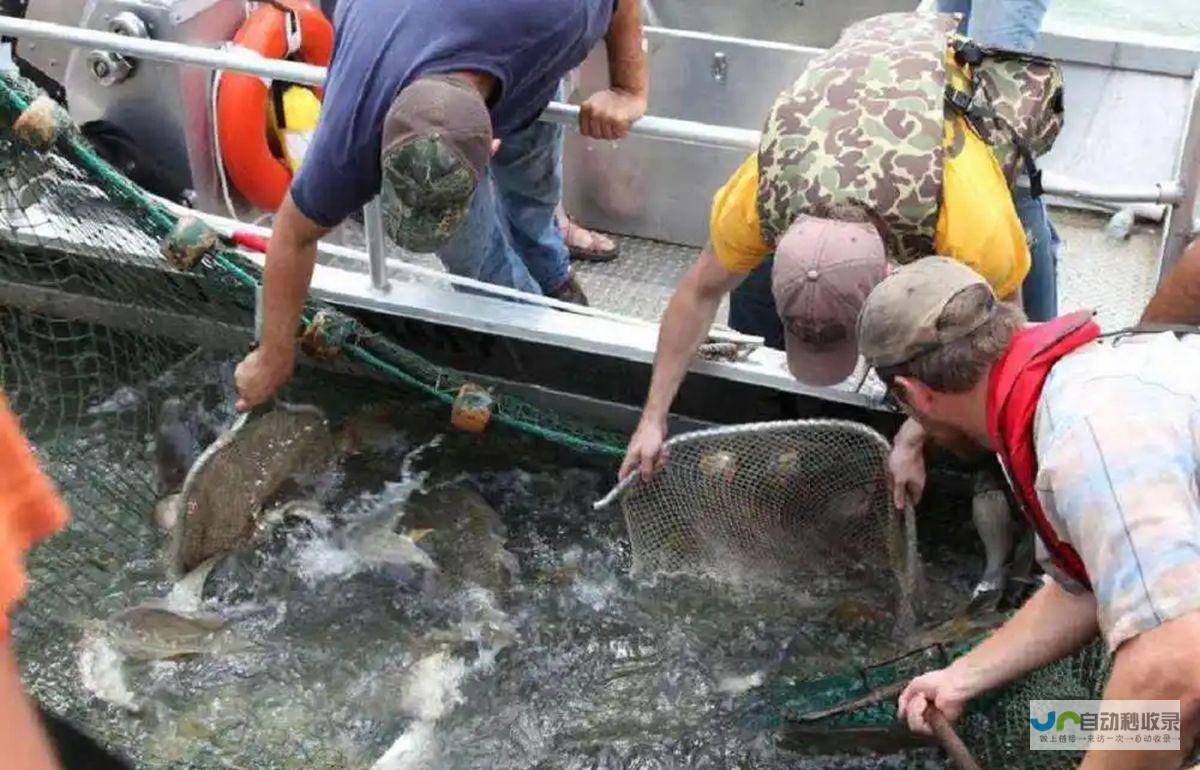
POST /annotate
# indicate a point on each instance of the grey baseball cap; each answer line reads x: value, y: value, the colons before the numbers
x: 902, y: 318
x: 437, y: 139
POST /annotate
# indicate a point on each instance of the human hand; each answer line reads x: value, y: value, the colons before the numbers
x: 645, y: 453
x: 261, y: 374
x: 947, y: 689
x: 608, y: 114
x: 906, y: 465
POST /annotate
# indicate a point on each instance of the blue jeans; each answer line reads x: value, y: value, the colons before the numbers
x: 1011, y: 24
x: 752, y: 307
x: 1039, y: 292
x: 510, y: 237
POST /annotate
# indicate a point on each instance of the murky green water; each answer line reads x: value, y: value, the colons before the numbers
x: 348, y: 662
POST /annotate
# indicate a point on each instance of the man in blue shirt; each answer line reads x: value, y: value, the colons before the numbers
x: 434, y: 106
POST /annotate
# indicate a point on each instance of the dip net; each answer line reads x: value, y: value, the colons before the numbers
x: 804, y: 502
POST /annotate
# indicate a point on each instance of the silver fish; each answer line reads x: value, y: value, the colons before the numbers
x: 154, y: 631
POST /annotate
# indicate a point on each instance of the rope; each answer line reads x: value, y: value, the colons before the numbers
x: 508, y: 409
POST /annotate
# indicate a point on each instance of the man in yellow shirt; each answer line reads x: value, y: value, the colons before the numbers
x: 899, y: 142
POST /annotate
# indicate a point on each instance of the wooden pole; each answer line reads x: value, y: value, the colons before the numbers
x: 951, y: 743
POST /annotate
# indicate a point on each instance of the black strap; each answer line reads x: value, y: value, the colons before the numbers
x: 277, y: 89
x: 1031, y: 167
x: 1179, y: 330
x: 975, y: 112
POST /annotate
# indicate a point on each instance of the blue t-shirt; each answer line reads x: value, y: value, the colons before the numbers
x: 380, y: 46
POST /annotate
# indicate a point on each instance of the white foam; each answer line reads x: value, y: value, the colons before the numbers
x: 433, y: 686
x: 415, y: 748
x: 736, y: 685
x: 430, y: 690
x: 101, y: 674
x: 320, y: 559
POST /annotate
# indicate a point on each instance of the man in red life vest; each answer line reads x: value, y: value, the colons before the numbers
x: 1100, y: 438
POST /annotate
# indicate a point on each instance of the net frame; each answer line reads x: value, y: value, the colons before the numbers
x: 704, y: 543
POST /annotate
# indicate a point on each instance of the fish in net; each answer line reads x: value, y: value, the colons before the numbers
x: 803, y: 501
x: 225, y: 490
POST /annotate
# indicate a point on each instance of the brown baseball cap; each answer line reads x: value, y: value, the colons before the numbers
x: 902, y: 319
x: 437, y: 140
x: 824, y: 269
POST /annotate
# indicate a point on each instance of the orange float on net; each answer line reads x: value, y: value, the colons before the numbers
x: 472, y: 408
x: 279, y: 29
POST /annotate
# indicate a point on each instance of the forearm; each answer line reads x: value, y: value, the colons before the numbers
x: 911, y: 436
x: 291, y: 257
x: 21, y: 735
x: 627, y: 68
x: 685, y: 325
x: 1051, y: 625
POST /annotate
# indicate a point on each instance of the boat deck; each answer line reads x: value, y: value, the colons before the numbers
x: 1113, y: 277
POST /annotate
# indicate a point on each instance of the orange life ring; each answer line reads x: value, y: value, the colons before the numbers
x: 254, y: 169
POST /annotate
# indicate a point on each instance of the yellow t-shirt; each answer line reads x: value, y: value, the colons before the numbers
x: 977, y: 221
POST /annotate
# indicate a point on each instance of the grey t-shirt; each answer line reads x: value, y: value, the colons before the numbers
x: 381, y: 46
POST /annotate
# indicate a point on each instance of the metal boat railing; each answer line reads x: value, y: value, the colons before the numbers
x: 1180, y: 192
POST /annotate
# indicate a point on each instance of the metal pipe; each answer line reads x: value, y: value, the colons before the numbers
x: 236, y: 60
x: 1181, y: 221
x: 668, y: 128
x: 566, y: 114
x: 649, y: 15
x: 376, y: 246
x: 1159, y: 193
x: 243, y: 61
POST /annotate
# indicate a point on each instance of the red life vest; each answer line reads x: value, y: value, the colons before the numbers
x: 1014, y: 387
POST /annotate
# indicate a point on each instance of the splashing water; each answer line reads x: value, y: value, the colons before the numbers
x: 369, y: 653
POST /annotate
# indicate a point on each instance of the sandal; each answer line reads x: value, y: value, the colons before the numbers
x: 586, y: 253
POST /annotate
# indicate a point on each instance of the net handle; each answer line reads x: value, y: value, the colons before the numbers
x: 954, y: 747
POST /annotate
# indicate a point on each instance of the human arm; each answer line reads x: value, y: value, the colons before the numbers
x: 25, y: 743
x: 906, y: 464
x: 608, y: 114
x: 1051, y: 625
x: 1177, y: 300
x: 30, y: 509
x: 291, y: 256
x: 685, y: 324
x: 906, y: 461
x: 1158, y: 664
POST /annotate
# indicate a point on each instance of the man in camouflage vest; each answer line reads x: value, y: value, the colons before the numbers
x: 901, y: 141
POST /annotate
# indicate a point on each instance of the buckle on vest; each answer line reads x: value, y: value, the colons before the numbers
x: 959, y: 100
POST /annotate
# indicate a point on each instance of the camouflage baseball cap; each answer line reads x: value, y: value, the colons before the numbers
x: 902, y: 318
x: 437, y: 139
x: 824, y: 269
